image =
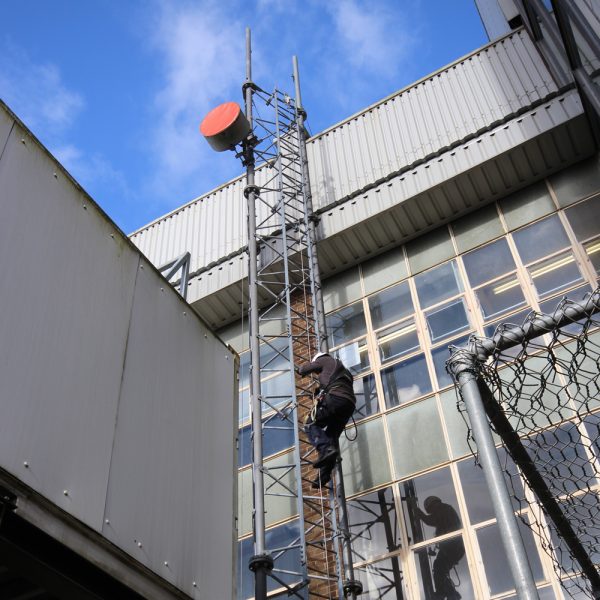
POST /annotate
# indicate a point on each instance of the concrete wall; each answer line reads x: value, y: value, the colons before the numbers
x: 117, y: 404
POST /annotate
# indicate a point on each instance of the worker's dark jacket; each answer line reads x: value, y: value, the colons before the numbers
x: 334, y: 378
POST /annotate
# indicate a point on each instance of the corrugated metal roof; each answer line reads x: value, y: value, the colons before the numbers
x: 400, y: 159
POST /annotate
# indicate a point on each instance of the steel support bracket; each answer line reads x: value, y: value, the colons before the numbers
x: 352, y: 587
x: 260, y: 562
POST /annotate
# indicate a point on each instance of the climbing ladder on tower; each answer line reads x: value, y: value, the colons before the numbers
x: 287, y: 327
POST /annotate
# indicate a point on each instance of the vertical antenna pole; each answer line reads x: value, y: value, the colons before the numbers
x: 261, y: 563
x: 351, y: 587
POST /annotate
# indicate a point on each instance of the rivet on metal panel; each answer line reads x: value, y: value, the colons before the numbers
x: 85, y: 206
x: 112, y: 235
x: 184, y: 313
x: 139, y: 544
x: 22, y: 140
x: 26, y: 464
x: 142, y: 267
x: 107, y: 521
x: 205, y: 336
x: 55, y: 175
x: 66, y: 492
x: 194, y: 583
x: 162, y: 289
x: 166, y: 563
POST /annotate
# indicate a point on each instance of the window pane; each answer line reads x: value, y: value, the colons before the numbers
x: 549, y: 307
x: 446, y: 575
x: 504, y: 295
x: 527, y: 205
x: 515, y: 319
x: 278, y: 434
x: 341, y: 289
x: 477, y: 496
x: 274, y: 356
x: 576, y: 182
x: 373, y: 525
x: 365, y: 459
x: 276, y: 391
x: 384, y: 270
x: 382, y: 580
x: 391, y: 305
x: 346, y: 324
x: 585, y: 219
x: 578, y: 511
x: 355, y: 356
x: 405, y: 381
x: 429, y: 249
x: 440, y: 356
x: 366, y: 397
x: 417, y: 438
x: 455, y: 424
x: 592, y: 249
x: 555, y: 274
x: 244, y: 370
x: 446, y: 320
x: 497, y: 571
x: 437, y: 284
x: 561, y: 459
x: 278, y: 537
x: 244, y: 405
x: 398, y: 340
x: 541, y: 238
x: 477, y: 228
x: 488, y: 262
x: 424, y: 520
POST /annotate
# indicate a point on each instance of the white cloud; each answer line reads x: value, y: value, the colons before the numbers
x: 202, y: 53
x: 37, y: 93
x: 372, y: 35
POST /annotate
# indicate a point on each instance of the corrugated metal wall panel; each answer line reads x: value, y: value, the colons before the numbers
x: 432, y: 114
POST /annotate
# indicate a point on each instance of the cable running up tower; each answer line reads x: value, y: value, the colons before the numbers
x: 287, y: 326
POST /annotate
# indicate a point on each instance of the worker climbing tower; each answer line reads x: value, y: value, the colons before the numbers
x: 287, y: 326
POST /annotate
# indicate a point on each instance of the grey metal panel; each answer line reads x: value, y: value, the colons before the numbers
x: 66, y: 293
x: 170, y: 495
x: 6, y: 123
x: 117, y: 403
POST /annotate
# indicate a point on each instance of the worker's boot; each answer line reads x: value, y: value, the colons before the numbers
x: 322, y: 479
x: 328, y: 455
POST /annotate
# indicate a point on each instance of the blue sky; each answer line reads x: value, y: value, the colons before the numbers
x: 116, y: 89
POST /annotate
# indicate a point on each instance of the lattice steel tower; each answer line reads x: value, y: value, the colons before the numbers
x: 287, y: 326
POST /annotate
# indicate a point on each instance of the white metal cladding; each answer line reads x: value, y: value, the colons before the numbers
x: 433, y: 114
x: 499, y: 80
x: 115, y: 396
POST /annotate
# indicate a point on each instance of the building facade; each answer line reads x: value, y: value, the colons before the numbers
x: 464, y: 201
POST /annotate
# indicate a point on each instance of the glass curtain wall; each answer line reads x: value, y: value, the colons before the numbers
x: 419, y: 511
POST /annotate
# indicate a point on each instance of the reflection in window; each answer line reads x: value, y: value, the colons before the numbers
x: 440, y: 355
x: 275, y: 391
x: 437, y: 284
x: 288, y: 562
x: 488, y: 262
x: 584, y: 218
x: 540, y: 239
x: 555, y: 274
x: 430, y: 506
x: 405, y: 381
x: 443, y: 571
x: 366, y: 397
x: 548, y: 307
x: 400, y: 339
x: 497, y: 571
x: 504, y: 295
x: 346, y: 324
x: 474, y: 486
x: 446, y: 320
x: 373, y: 525
x: 516, y: 319
x: 391, y: 305
x: 561, y: 458
x: 274, y: 356
x: 278, y: 434
x: 382, y: 580
x: 355, y: 356
x: 580, y: 512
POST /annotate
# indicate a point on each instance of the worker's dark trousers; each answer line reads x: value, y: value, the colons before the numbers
x: 449, y: 554
x: 331, y: 417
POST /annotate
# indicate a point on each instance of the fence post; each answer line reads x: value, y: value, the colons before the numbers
x: 464, y: 366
